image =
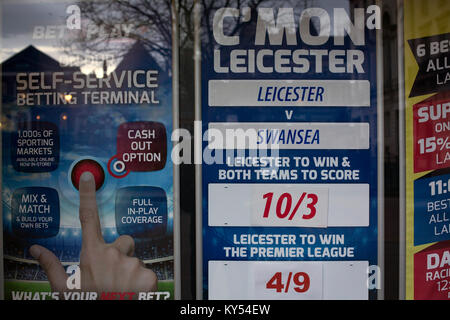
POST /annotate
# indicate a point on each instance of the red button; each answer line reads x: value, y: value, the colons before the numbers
x: 88, y: 165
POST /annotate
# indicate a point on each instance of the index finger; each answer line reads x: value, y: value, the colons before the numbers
x: 89, y: 219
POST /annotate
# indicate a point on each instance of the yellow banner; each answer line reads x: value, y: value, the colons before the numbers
x: 427, y: 80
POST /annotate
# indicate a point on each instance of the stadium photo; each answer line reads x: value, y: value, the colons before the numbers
x: 23, y: 273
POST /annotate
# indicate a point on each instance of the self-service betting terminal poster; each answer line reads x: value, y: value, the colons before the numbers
x: 86, y: 171
x: 427, y: 119
x: 289, y: 174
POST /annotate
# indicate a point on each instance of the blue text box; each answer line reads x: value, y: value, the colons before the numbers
x: 35, y: 212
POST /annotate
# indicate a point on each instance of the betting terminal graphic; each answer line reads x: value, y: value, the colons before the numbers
x: 57, y: 123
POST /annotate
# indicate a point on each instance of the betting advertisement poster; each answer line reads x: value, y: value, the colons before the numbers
x: 427, y: 114
x: 290, y: 173
x: 87, y: 178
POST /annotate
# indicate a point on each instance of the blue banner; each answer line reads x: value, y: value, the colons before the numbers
x: 298, y: 86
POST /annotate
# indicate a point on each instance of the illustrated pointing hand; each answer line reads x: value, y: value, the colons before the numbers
x: 104, y: 267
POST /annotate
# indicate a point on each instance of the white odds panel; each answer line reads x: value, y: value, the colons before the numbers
x: 345, y: 280
x: 296, y: 205
x: 251, y: 135
x: 288, y: 280
x: 244, y: 205
x: 267, y: 93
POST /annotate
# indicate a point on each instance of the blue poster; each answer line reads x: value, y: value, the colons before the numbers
x: 87, y: 188
x: 289, y: 174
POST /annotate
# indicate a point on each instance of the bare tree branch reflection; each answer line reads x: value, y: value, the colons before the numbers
x: 149, y: 21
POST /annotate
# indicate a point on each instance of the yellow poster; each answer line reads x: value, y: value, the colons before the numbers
x: 427, y: 120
